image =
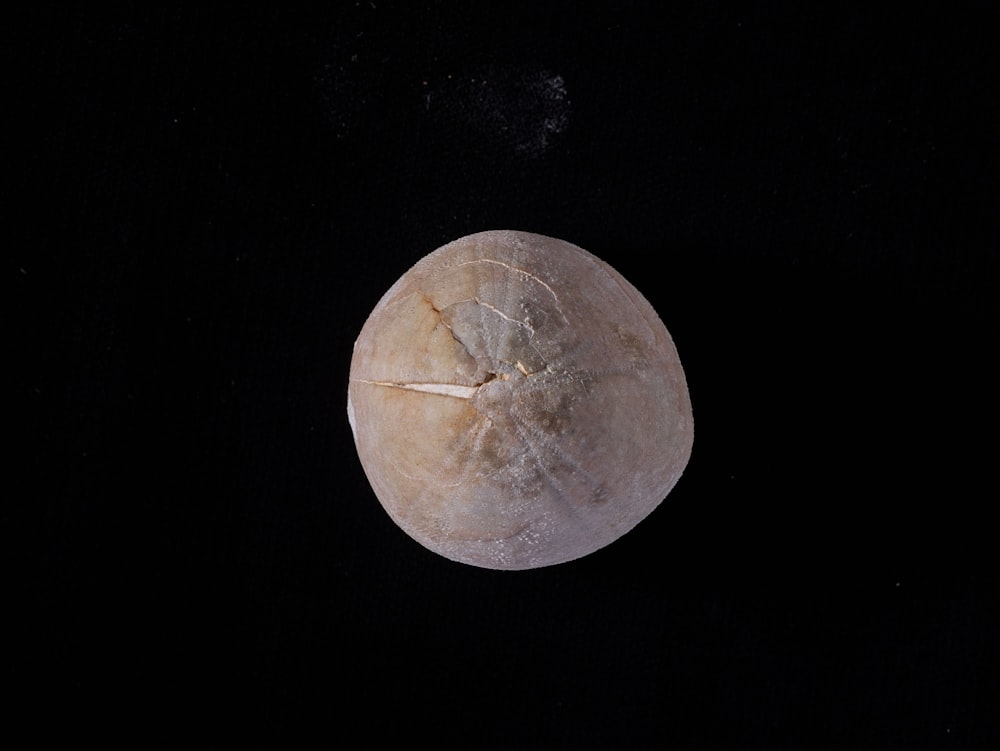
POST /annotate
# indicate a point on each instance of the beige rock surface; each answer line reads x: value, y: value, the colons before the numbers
x: 516, y: 403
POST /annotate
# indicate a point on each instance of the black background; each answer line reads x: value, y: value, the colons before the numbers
x: 206, y: 205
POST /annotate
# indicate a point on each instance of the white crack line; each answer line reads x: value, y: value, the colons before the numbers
x: 442, y: 389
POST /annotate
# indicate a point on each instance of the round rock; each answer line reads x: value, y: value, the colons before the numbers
x: 516, y: 403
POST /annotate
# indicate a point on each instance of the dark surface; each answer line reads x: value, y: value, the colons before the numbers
x: 204, y: 209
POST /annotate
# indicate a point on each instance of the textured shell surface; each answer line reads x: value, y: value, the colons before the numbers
x: 516, y: 403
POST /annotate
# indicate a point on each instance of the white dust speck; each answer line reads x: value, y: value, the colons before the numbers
x: 515, y: 108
